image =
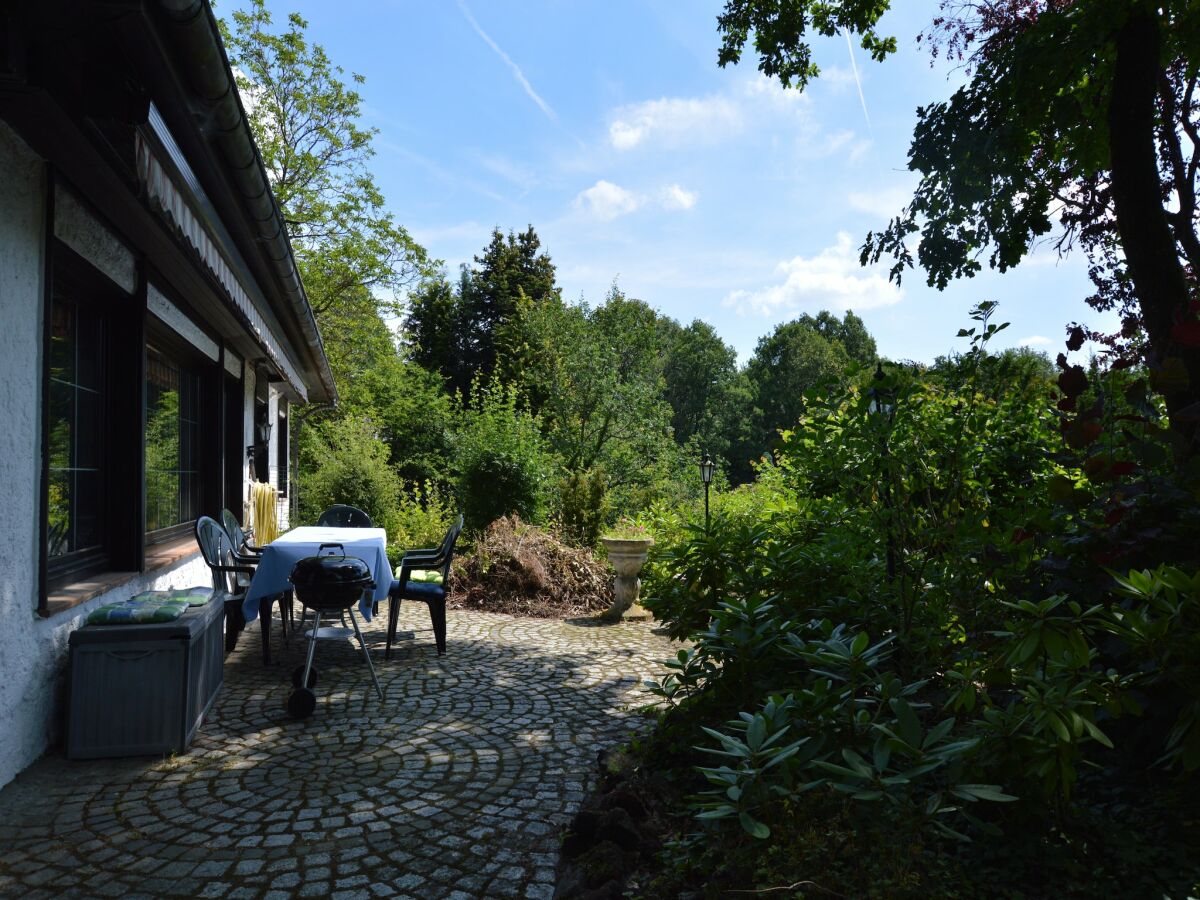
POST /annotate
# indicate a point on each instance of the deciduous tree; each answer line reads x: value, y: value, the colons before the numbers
x: 850, y: 331
x: 306, y: 120
x: 1089, y: 109
x: 794, y: 358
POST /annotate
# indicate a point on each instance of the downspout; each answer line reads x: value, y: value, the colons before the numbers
x: 193, y: 32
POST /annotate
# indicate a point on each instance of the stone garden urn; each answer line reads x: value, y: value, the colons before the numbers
x: 627, y: 556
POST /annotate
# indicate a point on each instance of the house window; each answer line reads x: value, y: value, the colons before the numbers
x: 281, y: 447
x: 92, y: 407
x: 76, y: 429
x: 174, y: 482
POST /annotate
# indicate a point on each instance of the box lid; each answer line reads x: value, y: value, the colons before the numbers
x: 189, y: 625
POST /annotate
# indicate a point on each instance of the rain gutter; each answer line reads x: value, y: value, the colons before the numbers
x: 195, y: 37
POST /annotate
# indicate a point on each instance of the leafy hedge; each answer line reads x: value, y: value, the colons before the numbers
x: 912, y: 614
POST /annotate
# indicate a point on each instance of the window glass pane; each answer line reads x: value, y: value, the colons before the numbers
x: 62, y: 424
x: 62, y: 342
x: 89, y: 417
x: 89, y: 350
x: 60, y: 512
x: 89, y: 502
x: 173, y: 489
x: 190, y: 446
x: 162, y: 441
x: 75, y: 488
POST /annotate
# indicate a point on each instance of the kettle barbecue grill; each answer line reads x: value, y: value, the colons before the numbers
x: 327, y: 584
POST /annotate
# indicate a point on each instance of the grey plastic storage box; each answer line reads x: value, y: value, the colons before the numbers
x: 144, y: 689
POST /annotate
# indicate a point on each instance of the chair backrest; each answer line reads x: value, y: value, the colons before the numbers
x: 216, y: 548
x: 446, y: 554
x: 234, y: 529
x: 448, y: 545
x: 342, y: 516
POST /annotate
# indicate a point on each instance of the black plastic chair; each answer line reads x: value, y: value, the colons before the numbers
x: 247, y: 554
x: 342, y: 516
x: 231, y: 573
x: 241, y: 540
x: 433, y: 595
x: 230, y: 578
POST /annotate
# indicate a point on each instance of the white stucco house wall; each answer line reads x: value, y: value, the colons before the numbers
x: 151, y: 321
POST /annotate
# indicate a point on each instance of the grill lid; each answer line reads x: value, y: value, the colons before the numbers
x: 330, y: 569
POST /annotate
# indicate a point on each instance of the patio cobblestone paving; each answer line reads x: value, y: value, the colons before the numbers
x: 456, y: 786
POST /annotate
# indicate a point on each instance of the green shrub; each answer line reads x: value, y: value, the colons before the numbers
x: 583, y: 506
x: 1014, y: 688
x: 423, y: 513
x: 345, y: 462
x: 502, y: 466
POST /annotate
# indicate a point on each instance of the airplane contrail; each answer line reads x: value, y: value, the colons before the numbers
x: 516, y: 70
x: 858, y: 81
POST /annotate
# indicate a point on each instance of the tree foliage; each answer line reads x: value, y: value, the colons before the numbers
x: 796, y: 357
x: 702, y: 383
x: 780, y: 29
x: 345, y: 462
x: 933, y: 621
x: 1087, y: 109
x: 597, y: 375
x: 464, y: 332
x: 502, y: 466
x: 850, y: 332
x: 354, y: 260
x: 306, y: 121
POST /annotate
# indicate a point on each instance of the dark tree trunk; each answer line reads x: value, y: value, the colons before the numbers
x: 1146, y: 237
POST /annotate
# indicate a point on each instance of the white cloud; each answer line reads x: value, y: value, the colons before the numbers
x: 509, y: 171
x: 833, y: 280
x: 675, y: 197
x: 770, y: 92
x: 607, y: 201
x: 472, y: 232
x: 836, y: 78
x: 883, y: 204
x: 673, y: 121
x: 1034, y: 340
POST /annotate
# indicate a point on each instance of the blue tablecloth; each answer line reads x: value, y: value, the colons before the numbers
x: 280, y: 556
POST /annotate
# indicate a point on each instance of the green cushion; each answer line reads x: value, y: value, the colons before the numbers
x: 428, y: 576
x: 134, y: 612
x: 192, y: 596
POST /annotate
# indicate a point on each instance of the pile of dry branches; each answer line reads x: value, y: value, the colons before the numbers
x: 520, y: 569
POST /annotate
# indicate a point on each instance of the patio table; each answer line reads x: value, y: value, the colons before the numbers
x: 281, y: 555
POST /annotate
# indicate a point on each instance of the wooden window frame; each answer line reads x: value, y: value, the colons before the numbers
x: 209, y: 373
x: 67, y: 271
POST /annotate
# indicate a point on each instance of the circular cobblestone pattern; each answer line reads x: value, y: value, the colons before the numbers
x: 456, y: 785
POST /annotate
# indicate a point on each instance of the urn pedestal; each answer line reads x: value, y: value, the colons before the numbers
x: 627, y: 557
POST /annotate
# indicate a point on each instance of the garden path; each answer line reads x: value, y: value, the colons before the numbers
x: 457, y: 786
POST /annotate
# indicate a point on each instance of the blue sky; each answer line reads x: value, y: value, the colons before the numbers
x: 708, y: 193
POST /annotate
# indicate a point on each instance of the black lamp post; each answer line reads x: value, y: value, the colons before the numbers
x: 882, y: 406
x: 883, y: 400
x: 707, y: 467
